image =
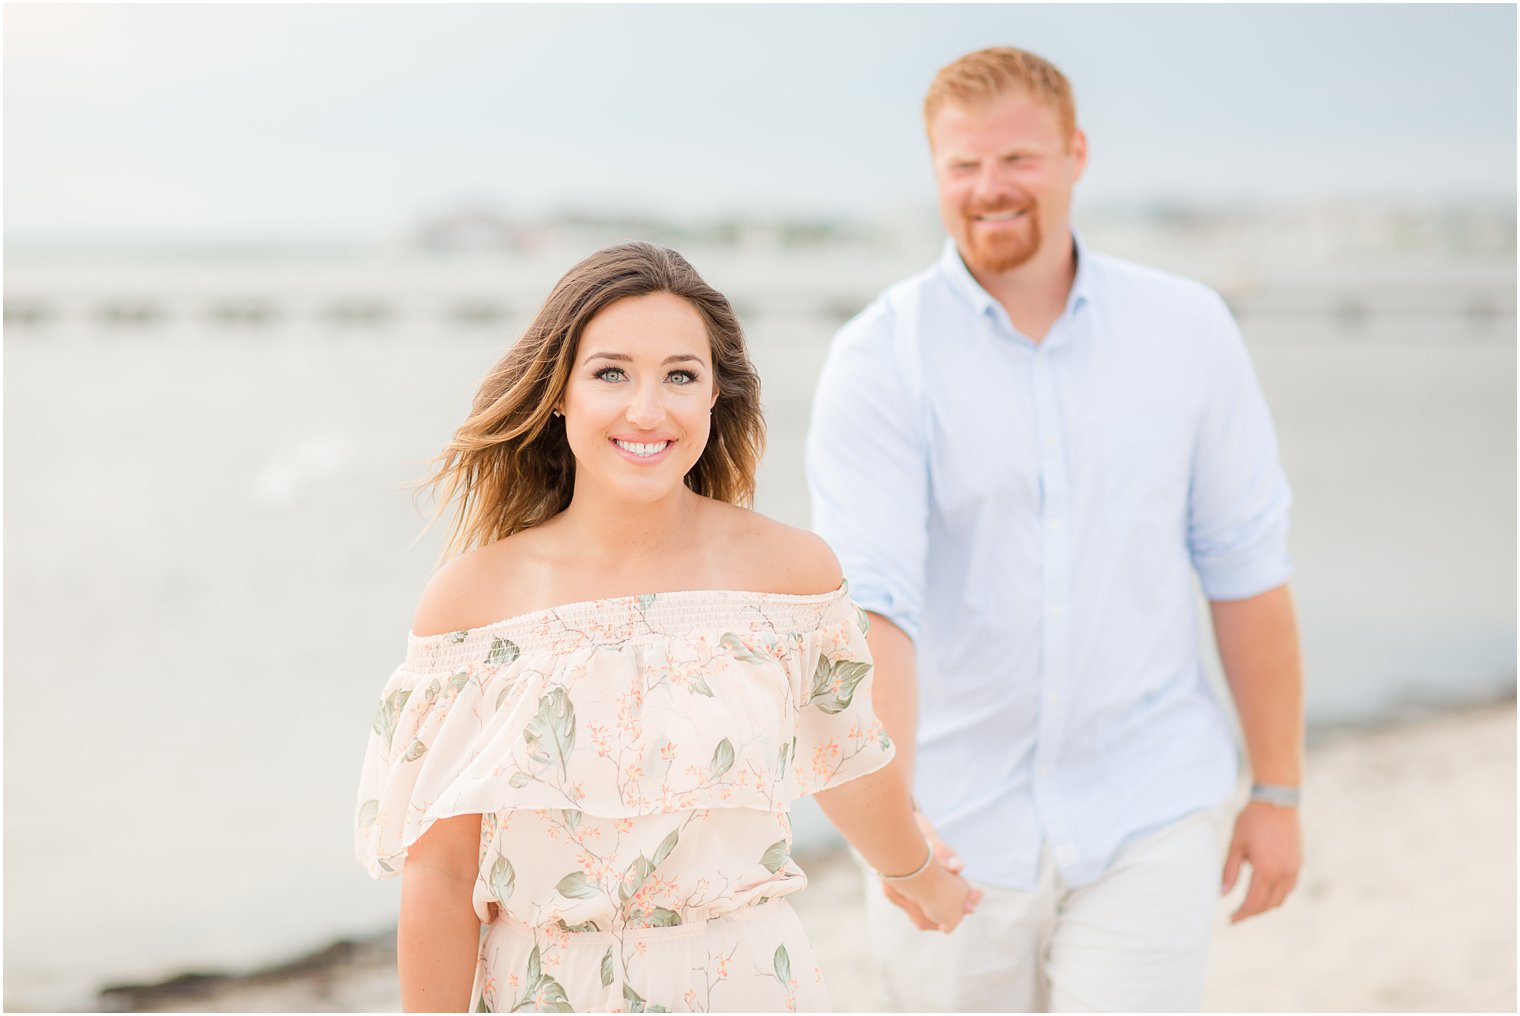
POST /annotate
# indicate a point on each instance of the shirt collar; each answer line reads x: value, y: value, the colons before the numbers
x: 961, y: 280
x: 1081, y: 286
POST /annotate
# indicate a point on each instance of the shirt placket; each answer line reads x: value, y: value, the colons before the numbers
x: 1055, y: 620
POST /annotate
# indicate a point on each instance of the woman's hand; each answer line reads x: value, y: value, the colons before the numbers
x: 941, y: 895
x: 944, y: 854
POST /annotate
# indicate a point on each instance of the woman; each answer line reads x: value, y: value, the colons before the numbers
x: 602, y: 778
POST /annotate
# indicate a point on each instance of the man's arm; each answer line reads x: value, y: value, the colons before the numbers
x: 867, y: 470
x: 894, y: 689
x: 1238, y: 504
x: 867, y: 466
x: 1258, y: 645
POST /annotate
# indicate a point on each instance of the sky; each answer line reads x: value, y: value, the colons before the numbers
x: 343, y: 123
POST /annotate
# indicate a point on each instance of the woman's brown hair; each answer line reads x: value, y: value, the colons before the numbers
x: 509, y: 466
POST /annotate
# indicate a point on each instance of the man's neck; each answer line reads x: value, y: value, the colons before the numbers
x: 1035, y: 293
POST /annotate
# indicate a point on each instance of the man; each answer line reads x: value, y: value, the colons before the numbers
x: 1021, y: 456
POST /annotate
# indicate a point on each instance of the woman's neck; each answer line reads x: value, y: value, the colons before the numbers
x: 608, y: 529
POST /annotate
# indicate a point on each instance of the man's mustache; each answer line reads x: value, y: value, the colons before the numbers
x: 998, y: 207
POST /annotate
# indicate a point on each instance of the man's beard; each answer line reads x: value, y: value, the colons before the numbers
x: 1002, y: 251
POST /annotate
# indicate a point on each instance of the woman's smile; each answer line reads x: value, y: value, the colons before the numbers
x: 643, y: 451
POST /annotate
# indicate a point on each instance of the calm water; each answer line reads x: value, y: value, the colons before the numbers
x: 211, y: 567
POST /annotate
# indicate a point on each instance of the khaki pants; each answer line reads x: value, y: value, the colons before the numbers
x: 1134, y: 941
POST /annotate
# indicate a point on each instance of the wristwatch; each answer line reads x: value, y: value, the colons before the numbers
x: 1275, y: 794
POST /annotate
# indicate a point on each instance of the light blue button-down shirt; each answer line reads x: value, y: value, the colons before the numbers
x: 1032, y: 514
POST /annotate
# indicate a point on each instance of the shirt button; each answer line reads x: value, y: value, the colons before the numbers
x: 1054, y: 526
x: 1057, y: 611
x: 1050, y: 442
x: 1052, y: 699
x: 1065, y: 855
x: 1044, y: 772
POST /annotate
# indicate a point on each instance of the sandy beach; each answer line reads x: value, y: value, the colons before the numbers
x: 1407, y: 901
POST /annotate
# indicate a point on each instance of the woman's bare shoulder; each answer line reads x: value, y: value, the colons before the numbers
x: 779, y: 558
x: 479, y: 587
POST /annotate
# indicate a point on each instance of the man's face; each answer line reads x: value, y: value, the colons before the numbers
x: 1005, y: 172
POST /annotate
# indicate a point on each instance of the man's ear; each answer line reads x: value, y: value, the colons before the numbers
x: 1078, y: 149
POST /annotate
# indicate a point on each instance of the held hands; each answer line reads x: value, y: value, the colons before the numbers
x: 937, y: 899
x: 1267, y: 837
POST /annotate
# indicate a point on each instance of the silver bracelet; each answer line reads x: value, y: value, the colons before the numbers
x: 1275, y: 794
x: 915, y: 872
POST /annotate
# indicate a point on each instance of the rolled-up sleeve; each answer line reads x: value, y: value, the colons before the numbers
x: 1239, y: 498
x: 867, y: 470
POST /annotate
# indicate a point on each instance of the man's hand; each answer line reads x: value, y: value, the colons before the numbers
x: 1266, y: 837
x: 943, y: 855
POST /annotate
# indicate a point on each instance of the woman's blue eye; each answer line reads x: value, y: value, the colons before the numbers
x: 617, y: 375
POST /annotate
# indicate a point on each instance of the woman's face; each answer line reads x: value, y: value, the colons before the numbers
x: 640, y: 393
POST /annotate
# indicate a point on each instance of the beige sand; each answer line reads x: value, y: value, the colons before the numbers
x: 1407, y: 902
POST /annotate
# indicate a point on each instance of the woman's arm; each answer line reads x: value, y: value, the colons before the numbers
x: 438, y: 936
x: 875, y: 813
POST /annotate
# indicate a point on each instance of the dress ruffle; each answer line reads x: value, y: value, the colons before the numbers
x: 621, y: 709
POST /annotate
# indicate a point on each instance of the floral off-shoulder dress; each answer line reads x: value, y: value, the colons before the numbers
x: 632, y: 761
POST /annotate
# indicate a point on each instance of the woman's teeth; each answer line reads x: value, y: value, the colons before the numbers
x: 643, y: 451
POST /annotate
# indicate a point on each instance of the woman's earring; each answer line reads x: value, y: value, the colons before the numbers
x: 556, y: 412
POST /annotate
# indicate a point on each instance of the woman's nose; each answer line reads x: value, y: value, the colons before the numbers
x: 645, y: 408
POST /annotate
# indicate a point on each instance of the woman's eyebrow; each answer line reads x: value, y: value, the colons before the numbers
x: 625, y: 358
